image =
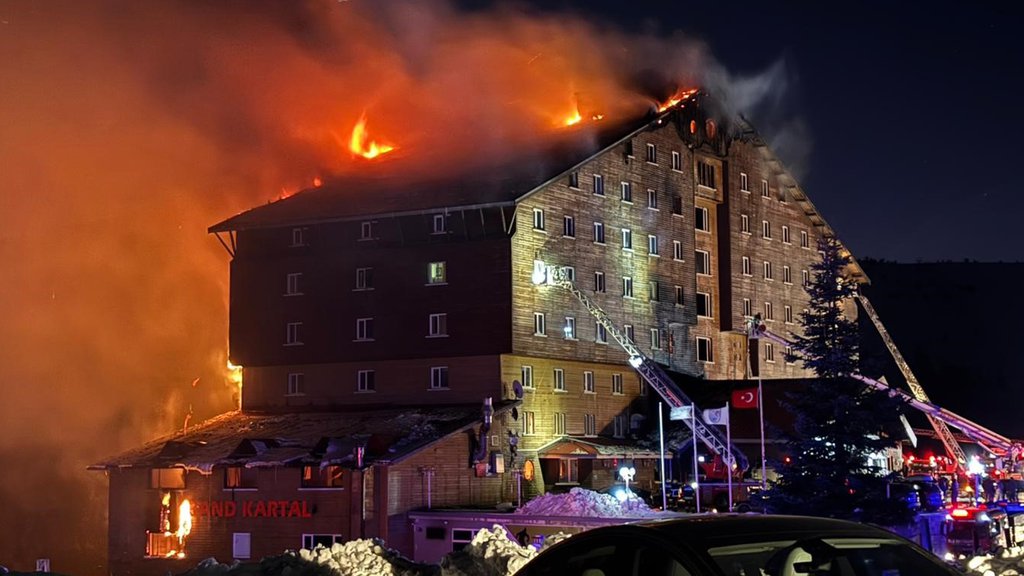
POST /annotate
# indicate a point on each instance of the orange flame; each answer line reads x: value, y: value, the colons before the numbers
x: 235, y: 377
x: 358, y: 143
x: 677, y: 98
x: 184, y: 522
x: 575, y: 117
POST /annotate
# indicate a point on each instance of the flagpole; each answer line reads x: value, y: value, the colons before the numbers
x: 661, y: 436
x: 728, y: 451
x: 696, y: 476
x: 760, y: 413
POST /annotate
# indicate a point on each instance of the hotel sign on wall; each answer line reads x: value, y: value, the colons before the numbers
x: 253, y: 509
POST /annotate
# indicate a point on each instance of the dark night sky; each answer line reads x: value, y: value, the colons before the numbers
x: 906, y: 118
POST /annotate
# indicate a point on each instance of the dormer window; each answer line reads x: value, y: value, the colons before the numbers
x: 440, y: 224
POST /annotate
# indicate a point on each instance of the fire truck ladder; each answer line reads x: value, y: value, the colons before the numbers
x: 655, y: 377
x: 983, y: 436
x: 953, y: 448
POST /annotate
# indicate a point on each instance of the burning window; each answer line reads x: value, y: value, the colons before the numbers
x: 710, y: 129
x: 240, y: 477
x: 322, y: 477
x: 172, y: 478
x: 173, y: 525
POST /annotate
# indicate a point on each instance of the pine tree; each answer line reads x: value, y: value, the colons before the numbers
x: 838, y: 421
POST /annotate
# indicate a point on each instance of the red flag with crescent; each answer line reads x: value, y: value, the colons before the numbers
x: 746, y: 398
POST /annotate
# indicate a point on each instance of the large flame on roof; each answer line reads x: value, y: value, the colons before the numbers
x: 360, y: 143
x: 676, y: 98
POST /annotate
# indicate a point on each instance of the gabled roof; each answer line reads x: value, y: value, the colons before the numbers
x: 322, y: 438
x: 596, y: 447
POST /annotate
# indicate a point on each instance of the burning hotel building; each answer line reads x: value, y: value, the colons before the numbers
x: 398, y: 356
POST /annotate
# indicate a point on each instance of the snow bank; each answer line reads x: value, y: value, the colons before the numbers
x: 1009, y: 562
x: 581, y: 502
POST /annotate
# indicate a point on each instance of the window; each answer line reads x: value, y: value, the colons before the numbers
x: 599, y: 232
x: 437, y: 273
x: 744, y: 224
x: 677, y: 205
x: 364, y: 328
x: 769, y: 312
x: 570, y: 328
x: 559, y: 380
x: 292, y: 287
x: 747, y: 308
x: 627, y: 239
x: 768, y: 274
x: 704, y: 351
x: 804, y: 242
x: 169, y: 478
x: 769, y: 352
x: 437, y: 325
x: 652, y: 199
x: 652, y: 153
x: 366, y: 381
x: 440, y: 224
x: 629, y: 148
x: 366, y: 230
x: 700, y: 219
x: 627, y: 191
x: 677, y: 161
x: 538, y: 219
x: 599, y: 282
x: 619, y: 423
x: 764, y: 189
x: 744, y: 182
x: 703, y: 262
x: 298, y: 237
x: 438, y: 377
x: 241, y: 545
x: 766, y: 229
x: 526, y: 373
x: 322, y: 477
x: 588, y: 382
x: 627, y: 287
x: 589, y: 426
x: 653, y: 291
x: 785, y: 235
x: 679, y: 295
x: 789, y: 356
x: 655, y: 339
x: 310, y: 541
x: 617, y: 384
x: 574, y: 180
x: 703, y: 304
x: 292, y: 335
x: 788, y: 312
x: 598, y: 185
x: 787, y: 276
x: 705, y: 174
x: 240, y: 477
x: 364, y: 279
x: 296, y: 384
x: 601, y: 335
x: 677, y: 250
x: 652, y: 245
x: 746, y: 266
x: 461, y: 538
x: 568, y: 227
x: 805, y: 277
x: 559, y: 423
x: 539, y: 327
x: 570, y: 273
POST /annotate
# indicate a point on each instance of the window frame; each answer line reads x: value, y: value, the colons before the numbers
x: 439, y: 378
x: 437, y: 325
x: 295, y: 384
x: 364, y: 329
x: 366, y: 381
x: 702, y: 262
x: 708, y: 355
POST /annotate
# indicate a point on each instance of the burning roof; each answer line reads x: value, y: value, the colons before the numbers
x: 322, y: 438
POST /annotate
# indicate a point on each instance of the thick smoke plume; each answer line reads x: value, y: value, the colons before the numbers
x: 127, y: 128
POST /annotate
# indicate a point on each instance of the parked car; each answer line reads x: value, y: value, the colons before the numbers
x: 906, y: 492
x: 928, y: 492
x: 734, y: 545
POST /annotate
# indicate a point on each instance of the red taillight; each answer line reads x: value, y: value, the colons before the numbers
x: 959, y: 513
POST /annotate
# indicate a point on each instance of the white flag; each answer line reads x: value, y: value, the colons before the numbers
x: 681, y: 413
x: 719, y: 416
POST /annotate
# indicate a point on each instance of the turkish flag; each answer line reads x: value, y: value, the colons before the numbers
x: 746, y: 398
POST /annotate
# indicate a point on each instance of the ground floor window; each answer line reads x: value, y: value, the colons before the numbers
x: 461, y: 538
x: 310, y: 541
x: 568, y: 470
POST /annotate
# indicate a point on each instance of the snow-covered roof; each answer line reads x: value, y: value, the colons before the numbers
x: 315, y: 438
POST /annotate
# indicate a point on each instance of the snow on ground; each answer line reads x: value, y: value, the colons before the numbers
x: 493, y: 552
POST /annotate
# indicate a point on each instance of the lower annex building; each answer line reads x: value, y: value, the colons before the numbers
x: 397, y: 355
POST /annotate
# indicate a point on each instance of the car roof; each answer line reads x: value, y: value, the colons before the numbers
x: 708, y: 530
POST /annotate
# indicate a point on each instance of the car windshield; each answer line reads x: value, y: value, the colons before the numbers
x: 825, y: 556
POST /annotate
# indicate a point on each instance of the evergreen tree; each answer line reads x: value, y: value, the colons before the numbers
x: 838, y: 421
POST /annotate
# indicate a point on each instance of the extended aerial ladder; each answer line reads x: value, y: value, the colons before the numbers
x: 986, y: 438
x: 656, y: 378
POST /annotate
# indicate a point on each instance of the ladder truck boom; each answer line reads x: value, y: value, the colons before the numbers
x: 649, y: 370
x: 987, y: 438
x: 941, y: 430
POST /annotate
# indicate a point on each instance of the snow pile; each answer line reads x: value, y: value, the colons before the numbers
x: 581, y: 502
x: 492, y: 553
x: 364, y: 556
x: 1009, y: 562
